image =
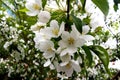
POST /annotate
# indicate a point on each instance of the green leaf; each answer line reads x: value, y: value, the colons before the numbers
x: 44, y: 3
x: 102, y: 54
x: 83, y: 4
x: 86, y: 20
x: 88, y: 55
x: 58, y: 15
x: 115, y: 7
x: 102, y: 5
x: 24, y: 10
x: 82, y: 1
x: 78, y: 23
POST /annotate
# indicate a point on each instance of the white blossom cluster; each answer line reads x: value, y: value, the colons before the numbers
x: 58, y: 46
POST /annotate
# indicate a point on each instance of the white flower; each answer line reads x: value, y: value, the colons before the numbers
x: 47, y: 33
x: 62, y: 77
x: 48, y: 63
x: 69, y: 67
x: 70, y: 42
x: 95, y: 22
x: 37, y: 26
x: 84, y: 35
x: 7, y: 44
x: 94, y: 13
x: 54, y: 29
x: 33, y: 6
x: 40, y: 37
x: 47, y: 47
x: 65, y: 58
x: 111, y: 43
x: 52, y: 5
x: 92, y: 72
x: 114, y: 65
x: 44, y: 16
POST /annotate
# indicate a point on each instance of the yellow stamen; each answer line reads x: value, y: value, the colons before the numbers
x: 68, y: 66
x: 49, y: 50
x: 71, y: 41
x: 55, y: 31
x: 36, y: 6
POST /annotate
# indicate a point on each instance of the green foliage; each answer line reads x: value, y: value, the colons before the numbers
x: 89, y: 56
x: 102, y: 54
x: 115, y: 7
x: 83, y: 5
x: 116, y: 2
x: 102, y: 5
x: 86, y: 21
x: 78, y: 23
x: 3, y: 53
x: 23, y: 10
x: 44, y: 3
x: 3, y: 68
x: 58, y: 15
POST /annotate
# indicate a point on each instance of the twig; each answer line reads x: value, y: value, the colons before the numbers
x: 68, y: 15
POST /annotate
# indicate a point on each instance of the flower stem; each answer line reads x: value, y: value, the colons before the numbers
x: 84, y: 5
x: 68, y: 15
x: 68, y: 9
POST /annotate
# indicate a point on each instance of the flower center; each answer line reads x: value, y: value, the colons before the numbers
x: 36, y: 6
x: 68, y: 66
x: 70, y: 41
x: 55, y: 31
x: 49, y: 50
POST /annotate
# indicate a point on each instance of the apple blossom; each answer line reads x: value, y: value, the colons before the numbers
x: 69, y: 67
x: 40, y: 37
x: 37, y: 26
x: 115, y: 64
x: 70, y: 42
x: 54, y: 29
x: 33, y: 6
x: 47, y: 47
x: 44, y: 16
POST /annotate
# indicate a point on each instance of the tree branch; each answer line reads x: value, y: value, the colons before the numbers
x: 68, y: 15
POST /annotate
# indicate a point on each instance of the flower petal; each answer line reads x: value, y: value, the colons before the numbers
x: 75, y: 65
x: 61, y: 28
x: 49, y: 55
x: 64, y: 63
x: 85, y: 29
x: 88, y: 37
x: 66, y: 58
x: 69, y: 72
x: 47, y: 63
x: 44, y: 16
x: 54, y: 23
